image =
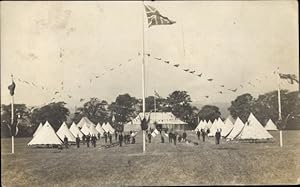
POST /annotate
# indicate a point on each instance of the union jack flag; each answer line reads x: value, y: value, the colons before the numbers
x: 155, y: 18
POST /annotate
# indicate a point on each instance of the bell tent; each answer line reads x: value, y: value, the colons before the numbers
x: 237, y: 129
x: 75, y: 131
x: 270, y: 126
x: 45, y: 136
x: 253, y: 130
x: 39, y: 128
x: 64, y: 131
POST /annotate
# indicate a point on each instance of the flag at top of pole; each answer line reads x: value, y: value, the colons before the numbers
x: 12, y: 87
x: 155, y: 18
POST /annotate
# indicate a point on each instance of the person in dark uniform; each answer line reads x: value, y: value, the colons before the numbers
x: 95, y: 140
x: 116, y: 135
x: 203, y: 134
x: 128, y: 138
x: 149, y: 137
x: 170, y: 137
x: 218, y: 136
x: 77, y: 141
x: 174, y: 138
x: 207, y: 132
x: 88, y: 138
x: 110, y: 138
x: 83, y: 139
x: 105, y: 137
x: 184, y: 136
x: 99, y: 135
x: 120, y: 139
x: 162, y: 139
x: 66, y: 142
x: 198, y: 134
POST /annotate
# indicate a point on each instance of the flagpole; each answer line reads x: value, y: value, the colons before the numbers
x: 143, y: 79
x: 12, y: 122
x: 279, y: 108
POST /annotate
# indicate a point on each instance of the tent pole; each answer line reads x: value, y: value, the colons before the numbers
x: 279, y: 107
x: 143, y: 80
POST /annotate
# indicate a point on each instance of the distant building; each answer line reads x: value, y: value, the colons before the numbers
x: 158, y: 120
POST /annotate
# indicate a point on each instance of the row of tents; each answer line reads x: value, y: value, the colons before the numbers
x: 252, y: 129
x: 45, y: 134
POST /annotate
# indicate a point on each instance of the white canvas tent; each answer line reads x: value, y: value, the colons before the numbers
x: 237, y: 129
x: 253, y: 130
x: 39, y: 128
x: 108, y: 128
x: 85, y: 129
x: 64, y: 131
x: 99, y: 129
x: 200, y: 126
x: 75, y: 131
x: 209, y: 124
x: 93, y: 131
x: 45, y: 136
x: 217, y: 125
x: 228, y: 126
x: 86, y: 121
x: 270, y: 126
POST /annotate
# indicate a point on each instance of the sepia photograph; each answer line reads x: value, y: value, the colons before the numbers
x: 149, y: 93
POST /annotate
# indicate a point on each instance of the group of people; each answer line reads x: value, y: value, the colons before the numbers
x: 173, y: 136
x: 127, y: 138
x: 130, y: 138
x: 205, y: 133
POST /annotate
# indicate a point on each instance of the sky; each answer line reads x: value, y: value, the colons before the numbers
x: 92, y: 47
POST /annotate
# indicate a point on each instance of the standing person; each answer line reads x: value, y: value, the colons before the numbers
x: 94, y: 140
x: 105, y: 137
x: 66, y: 142
x: 184, y: 135
x: 132, y: 137
x: 77, y: 141
x: 125, y: 138
x: 198, y: 134
x: 83, y: 139
x: 99, y: 135
x: 203, y: 135
x: 218, y: 136
x: 110, y: 138
x: 174, y: 138
x: 207, y: 132
x: 116, y: 135
x: 88, y: 138
x: 149, y: 137
x: 162, y: 139
x: 120, y: 139
x: 170, y: 137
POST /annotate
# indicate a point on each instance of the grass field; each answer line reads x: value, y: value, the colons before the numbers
x: 163, y: 164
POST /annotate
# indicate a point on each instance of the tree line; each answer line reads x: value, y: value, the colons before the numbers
x: 126, y: 107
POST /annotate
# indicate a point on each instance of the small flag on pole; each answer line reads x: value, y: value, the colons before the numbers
x: 290, y: 77
x: 155, y: 18
x: 12, y: 88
